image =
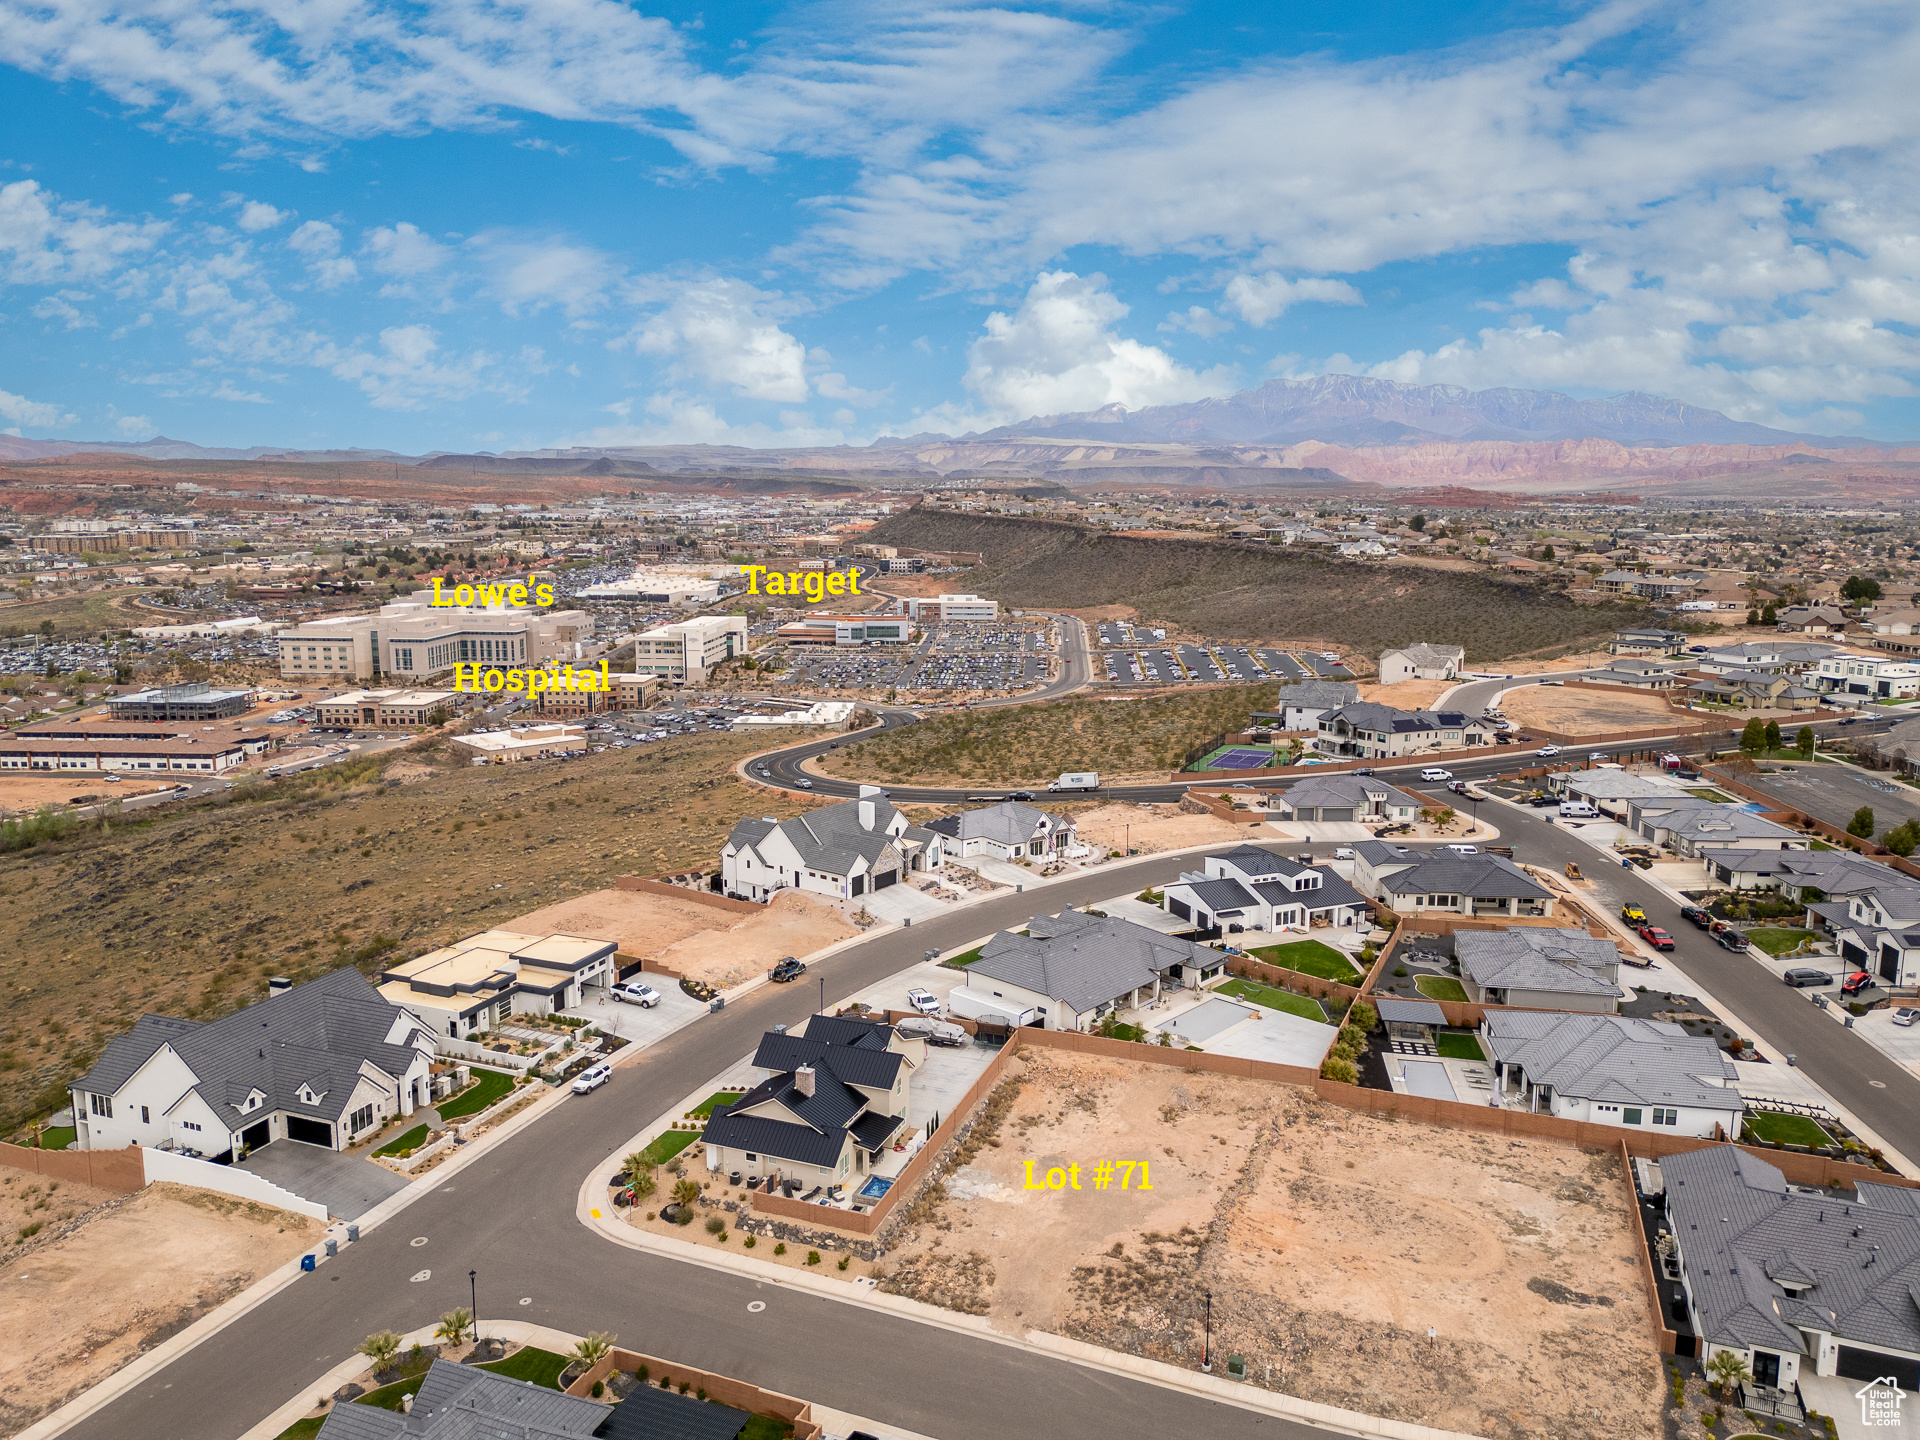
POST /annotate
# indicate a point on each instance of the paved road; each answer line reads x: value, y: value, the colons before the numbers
x: 510, y: 1215
x: 1474, y: 696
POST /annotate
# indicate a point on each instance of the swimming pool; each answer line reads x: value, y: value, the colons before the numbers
x: 876, y: 1186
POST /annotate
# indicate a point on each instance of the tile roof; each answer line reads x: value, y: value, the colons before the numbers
x: 316, y: 1035
x: 1548, y: 959
x: 1491, y: 877
x: 465, y: 1402
x: 651, y: 1413
x: 830, y: 839
x: 1612, y: 1059
x: 1083, y: 960
x: 1742, y: 1229
x: 1012, y: 822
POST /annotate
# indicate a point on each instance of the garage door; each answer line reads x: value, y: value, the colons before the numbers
x: 1869, y: 1365
x: 256, y: 1136
x: 313, y: 1132
x: 885, y: 878
x: 1336, y: 813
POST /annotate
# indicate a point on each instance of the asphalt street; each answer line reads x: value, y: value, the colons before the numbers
x: 510, y: 1216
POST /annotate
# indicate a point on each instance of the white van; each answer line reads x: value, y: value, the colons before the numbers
x: 1577, y: 810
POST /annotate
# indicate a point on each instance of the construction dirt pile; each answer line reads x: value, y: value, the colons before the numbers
x: 1330, y: 1242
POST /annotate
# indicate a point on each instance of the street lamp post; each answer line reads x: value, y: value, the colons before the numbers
x: 1206, y: 1343
x: 473, y: 1295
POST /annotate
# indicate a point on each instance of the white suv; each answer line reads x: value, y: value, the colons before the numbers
x: 1434, y: 772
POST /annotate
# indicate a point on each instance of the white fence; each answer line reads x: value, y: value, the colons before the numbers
x: 227, y: 1179
x: 480, y: 1054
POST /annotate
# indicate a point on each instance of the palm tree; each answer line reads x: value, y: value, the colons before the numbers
x: 685, y: 1192
x: 1728, y: 1370
x: 454, y: 1325
x: 381, y: 1347
x: 592, y: 1350
x: 640, y: 1174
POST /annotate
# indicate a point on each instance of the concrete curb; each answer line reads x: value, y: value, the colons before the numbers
x: 1035, y: 1342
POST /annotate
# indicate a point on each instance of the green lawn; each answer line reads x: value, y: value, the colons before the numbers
x: 766, y: 1427
x: 963, y: 959
x: 303, y: 1429
x: 665, y: 1147
x: 58, y: 1137
x: 488, y: 1086
x: 1310, y: 957
x: 1707, y: 793
x: 1771, y: 1125
x: 387, y: 1397
x: 1439, y: 987
x: 1779, y: 942
x: 1456, y: 1046
x: 542, y: 1367
x: 714, y: 1101
x: 412, y: 1140
x: 1304, y: 1006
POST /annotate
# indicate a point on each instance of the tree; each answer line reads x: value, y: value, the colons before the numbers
x: 454, y: 1324
x: 1548, y: 555
x: 595, y: 1348
x: 640, y: 1174
x: 1860, y: 587
x: 1770, y: 616
x: 1862, y: 823
x: 1803, y: 742
x: 1902, y: 840
x: 1753, y: 617
x: 1773, y: 735
x: 46, y: 628
x: 1754, y: 736
x: 380, y: 1347
x: 1728, y: 1370
x: 1418, y: 522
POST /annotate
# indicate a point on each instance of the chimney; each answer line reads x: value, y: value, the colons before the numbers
x: 803, y: 1080
x: 278, y: 985
x: 866, y: 814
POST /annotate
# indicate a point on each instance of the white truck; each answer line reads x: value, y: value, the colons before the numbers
x: 970, y: 1005
x: 1075, y: 780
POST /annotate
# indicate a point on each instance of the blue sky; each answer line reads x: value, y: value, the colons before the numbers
x: 462, y: 224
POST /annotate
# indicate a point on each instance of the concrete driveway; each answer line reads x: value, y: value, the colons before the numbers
x: 347, y: 1185
x: 903, y: 902
x: 647, y: 1025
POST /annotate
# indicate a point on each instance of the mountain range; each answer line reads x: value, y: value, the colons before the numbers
x: 1361, y: 410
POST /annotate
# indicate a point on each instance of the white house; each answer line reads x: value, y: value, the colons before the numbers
x: 1071, y: 969
x: 1329, y: 798
x: 1250, y: 889
x: 840, y: 851
x: 1879, y: 676
x: 480, y: 982
x: 1368, y: 730
x: 1421, y: 662
x: 1610, y: 1070
x: 1302, y: 703
x: 321, y: 1063
x: 1006, y: 831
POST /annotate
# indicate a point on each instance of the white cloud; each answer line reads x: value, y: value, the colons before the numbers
x: 1262, y: 299
x: 527, y: 275
x: 184, y: 197
x: 37, y: 413
x: 719, y: 330
x: 1059, y: 352
x: 1197, y: 320
x: 227, y: 390
x: 257, y: 215
x: 403, y: 250
x: 319, y: 242
x: 131, y: 425
x: 680, y: 419
x: 61, y: 307
x: 408, y: 370
x: 44, y: 241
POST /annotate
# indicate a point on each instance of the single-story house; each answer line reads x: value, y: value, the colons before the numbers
x: 460, y: 1402
x: 1073, y: 968
x: 1410, y: 882
x: 832, y: 1100
x: 1609, y: 1070
x: 1612, y: 791
x: 1792, y: 1279
x: 321, y: 1063
x: 1811, y: 620
x: 1539, y: 968
x: 1006, y: 831
x: 1325, y: 798
x: 477, y: 983
x: 1421, y: 661
x: 841, y: 851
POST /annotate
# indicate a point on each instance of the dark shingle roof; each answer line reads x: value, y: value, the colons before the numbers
x: 1221, y: 896
x: 651, y: 1413
x: 464, y: 1402
x: 1489, y: 876
x: 1083, y: 960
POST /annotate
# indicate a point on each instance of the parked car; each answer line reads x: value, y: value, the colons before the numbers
x: 1457, y: 787
x: 1856, y: 982
x: 1543, y: 802
x: 1434, y: 772
x: 787, y: 969
x: 1361, y: 770
x: 1656, y: 937
x: 1905, y: 1015
x: 1803, y: 975
x: 634, y: 992
x: 1851, y: 720
x: 1731, y: 939
x: 1548, y: 750
x: 1633, y: 914
x: 923, y: 1001
x: 1343, y: 853
x: 592, y: 1078
x: 1694, y: 913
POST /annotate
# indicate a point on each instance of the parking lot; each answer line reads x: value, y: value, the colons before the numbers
x: 1833, y: 792
x: 1127, y: 657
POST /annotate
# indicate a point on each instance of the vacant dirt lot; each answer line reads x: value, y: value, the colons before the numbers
x: 1330, y: 1243
x: 701, y: 941
x: 29, y: 793
x: 1582, y: 710
x: 1153, y: 828
x: 1408, y: 694
x: 81, y: 1302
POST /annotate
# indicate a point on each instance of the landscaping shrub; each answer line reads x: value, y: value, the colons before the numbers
x: 1399, y: 972
x: 844, y: 1259
x: 1339, y: 1069
x: 781, y: 1248
x: 813, y: 1257
x: 716, y: 1226
x: 1363, y: 1015
x: 599, y: 1388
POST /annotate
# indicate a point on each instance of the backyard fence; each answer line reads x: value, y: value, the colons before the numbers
x: 120, y: 1170
x: 1664, y: 1340
x: 721, y: 1389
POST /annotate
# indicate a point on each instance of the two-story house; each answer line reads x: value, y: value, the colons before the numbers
x: 1250, y: 889
x: 840, y: 851
x: 1367, y: 730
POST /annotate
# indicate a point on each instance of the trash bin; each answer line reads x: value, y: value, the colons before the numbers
x: 353, y: 1232
x: 333, y: 1248
x: 306, y: 1262
x: 716, y: 1004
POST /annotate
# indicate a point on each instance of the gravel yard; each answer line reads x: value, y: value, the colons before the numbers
x: 1330, y: 1242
